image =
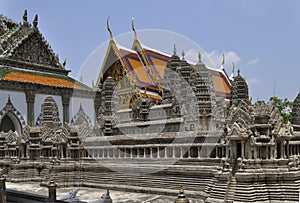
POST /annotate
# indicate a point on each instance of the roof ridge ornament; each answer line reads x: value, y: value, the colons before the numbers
x: 108, y: 28
x: 223, y: 59
x: 239, y: 72
x: 35, y: 20
x: 183, y: 54
x: 25, y: 16
x: 232, y: 70
x: 132, y: 26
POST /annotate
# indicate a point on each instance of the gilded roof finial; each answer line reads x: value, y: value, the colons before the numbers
x: 8, y: 100
x: 132, y: 26
x: 232, y: 71
x: 223, y: 59
x: 199, y: 56
x: 183, y: 54
x: 175, y: 50
x: 108, y: 28
x: 64, y: 63
x: 239, y: 72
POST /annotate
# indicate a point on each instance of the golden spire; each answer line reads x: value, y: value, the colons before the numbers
x: 132, y: 26
x: 223, y: 59
x: 232, y: 71
x: 108, y: 28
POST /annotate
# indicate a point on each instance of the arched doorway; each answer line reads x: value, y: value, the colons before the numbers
x: 11, y: 119
x: 10, y: 122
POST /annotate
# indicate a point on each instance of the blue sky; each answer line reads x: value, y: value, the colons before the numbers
x: 261, y: 37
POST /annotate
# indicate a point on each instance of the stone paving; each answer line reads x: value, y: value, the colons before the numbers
x: 90, y: 194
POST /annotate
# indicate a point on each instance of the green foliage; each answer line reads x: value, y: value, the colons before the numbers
x: 284, y: 106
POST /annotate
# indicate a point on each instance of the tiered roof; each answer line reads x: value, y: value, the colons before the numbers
x: 27, y: 58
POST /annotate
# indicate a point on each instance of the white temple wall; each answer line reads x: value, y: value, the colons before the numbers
x: 18, y: 100
x: 87, y: 106
x: 39, y: 99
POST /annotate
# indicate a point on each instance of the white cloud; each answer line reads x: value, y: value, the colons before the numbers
x: 213, y: 59
x: 253, y: 81
x: 253, y: 62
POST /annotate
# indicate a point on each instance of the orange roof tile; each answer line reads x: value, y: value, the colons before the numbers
x: 38, y: 79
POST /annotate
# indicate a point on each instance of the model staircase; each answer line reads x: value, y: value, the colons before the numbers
x: 230, y: 191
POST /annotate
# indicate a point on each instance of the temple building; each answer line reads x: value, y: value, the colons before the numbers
x: 152, y: 123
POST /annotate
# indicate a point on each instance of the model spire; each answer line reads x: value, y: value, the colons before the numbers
x: 175, y: 50
x: 199, y: 56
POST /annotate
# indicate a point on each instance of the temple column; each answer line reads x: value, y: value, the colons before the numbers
x: 144, y: 152
x: 30, y: 97
x: 217, y: 152
x: 199, y: 151
x: 151, y: 156
x: 287, y: 149
x: 158, y: 155
x: 173, y: 155
x: 166, y: 153
x: 181, y: 152
x: 66, y: 103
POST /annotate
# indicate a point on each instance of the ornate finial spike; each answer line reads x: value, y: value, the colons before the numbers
x: 36, y: 21
x: 64, y: 63
x: 232, y: 71
x: 199, y: 56
x: 132, y: 24
x: 25, y: 16
x: 183, y: 54
x: 239, y: 72
x: 175, y: 50
x: 8, y: 100
x: 108, y: 28
x: 223, y: 59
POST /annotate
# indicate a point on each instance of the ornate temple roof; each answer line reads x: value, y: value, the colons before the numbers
x: 27, y: 57
x: 146, y: 67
